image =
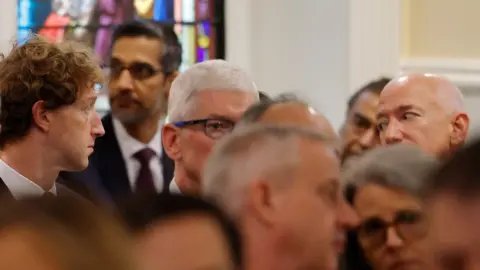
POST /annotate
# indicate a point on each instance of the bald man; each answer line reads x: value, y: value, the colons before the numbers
x: 423, y: 109
x: 288, y: 110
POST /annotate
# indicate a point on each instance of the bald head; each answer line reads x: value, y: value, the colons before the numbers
x: 423, y: 109
x: 439, y: 88
x: 288, y: 110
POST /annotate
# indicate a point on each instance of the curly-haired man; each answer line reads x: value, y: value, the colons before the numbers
x: 47, y: 116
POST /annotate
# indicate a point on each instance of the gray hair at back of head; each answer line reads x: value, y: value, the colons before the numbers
x: 208, y: 75
x: 401, y: 166
x: 249, y: 153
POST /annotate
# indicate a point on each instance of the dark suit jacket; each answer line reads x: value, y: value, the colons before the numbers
x: 106, y: 175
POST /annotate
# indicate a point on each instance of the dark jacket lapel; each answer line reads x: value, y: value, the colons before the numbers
x: 4, y: 191
x: 109, y: 162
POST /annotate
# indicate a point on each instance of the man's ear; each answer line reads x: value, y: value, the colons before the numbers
x: 171, y: 141
x: 40, y: 116
x: 460, y: 127
x: 262, y: 203
x: 168, y: 82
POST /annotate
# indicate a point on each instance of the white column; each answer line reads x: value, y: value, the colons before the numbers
x: 8, y: 25
x: 319, y: 49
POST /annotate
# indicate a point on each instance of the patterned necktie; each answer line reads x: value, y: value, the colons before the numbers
x: 144, y: 183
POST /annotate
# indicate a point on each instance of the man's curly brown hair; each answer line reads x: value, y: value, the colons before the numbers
x: 40, y: 70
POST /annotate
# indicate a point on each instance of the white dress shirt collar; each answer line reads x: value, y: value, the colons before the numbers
x: 18, y: 185
x: 173, y: 188
x: 129, y: 145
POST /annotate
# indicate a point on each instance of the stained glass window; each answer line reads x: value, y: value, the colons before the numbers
x: 92, y: 22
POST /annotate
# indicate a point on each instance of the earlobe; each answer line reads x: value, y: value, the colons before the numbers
x: 41, y: 117
x: 170, y: 141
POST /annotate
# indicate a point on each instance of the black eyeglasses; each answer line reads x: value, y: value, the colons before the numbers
x: 138, y: 70
x: 409, y: 225
x: 213, y: 128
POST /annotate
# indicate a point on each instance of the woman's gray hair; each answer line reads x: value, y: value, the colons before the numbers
x: 400, y: 166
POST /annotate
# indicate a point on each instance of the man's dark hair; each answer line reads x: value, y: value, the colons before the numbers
x: 263, y: 96
x: 141, y: 212
x: 459, y: 175
x: 375, y: 87
x: 56, y: 73
x: 257, y: 110
x: 172, y: 52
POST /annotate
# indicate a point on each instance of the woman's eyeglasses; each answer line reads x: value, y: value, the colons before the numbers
x: 408, y: 224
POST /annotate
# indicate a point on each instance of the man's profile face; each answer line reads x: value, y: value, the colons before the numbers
x: 312, y: 213
x: 455, y: 232
x: 194, y: 144
x: 73, y: 131
x: 141, y: 91
x: 359, y: 132
x: 188, y: 242
x: 412, y: 113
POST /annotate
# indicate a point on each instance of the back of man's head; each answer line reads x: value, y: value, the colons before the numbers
x: 169, y: 213
x: 217, y: 75
x: 266, y: 152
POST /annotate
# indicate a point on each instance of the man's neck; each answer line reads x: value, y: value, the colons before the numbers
x: 262, y: 252
x: 186, y: 185
x: 36, y: 168
x: 145, y: 130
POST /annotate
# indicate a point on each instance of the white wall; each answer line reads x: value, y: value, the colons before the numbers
x: 8, y: 25
x: 320, y: 49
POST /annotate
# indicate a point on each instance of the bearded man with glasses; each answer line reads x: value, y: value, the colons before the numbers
x: 387, y: 184
x: 144, y: 60
x: 204, y: 104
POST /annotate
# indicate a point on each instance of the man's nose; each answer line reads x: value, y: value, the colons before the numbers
x: 347, y: 217
x: 393, y: 133
x: 124, y: 80
x: 97, y: 126
x: 392, y: 239
x: 369, y: 139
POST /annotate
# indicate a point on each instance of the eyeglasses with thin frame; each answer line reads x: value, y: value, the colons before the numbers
x: 213, y: 128
x: 409, y: 225
x: 138, y: 70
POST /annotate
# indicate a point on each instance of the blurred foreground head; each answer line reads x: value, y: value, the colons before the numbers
x: 385, y: 190
x: 281, y: 185
x: 453, y: 196
x: 61, y: 233
x: 177, y: 232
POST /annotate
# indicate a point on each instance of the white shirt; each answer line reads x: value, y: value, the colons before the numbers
x: 18, y: 185
x: 129, y: 146
x: 173, y: 188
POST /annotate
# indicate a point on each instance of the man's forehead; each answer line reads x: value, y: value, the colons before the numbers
x: 141, y: 49
x: 367, y: 102
x: 229, y: 103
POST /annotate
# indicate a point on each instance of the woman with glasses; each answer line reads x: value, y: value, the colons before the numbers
x: 385, y: 186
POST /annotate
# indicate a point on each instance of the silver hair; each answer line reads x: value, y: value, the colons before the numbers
x: 250, y: 153
x: 400, y: 166
x: 208, y: 75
